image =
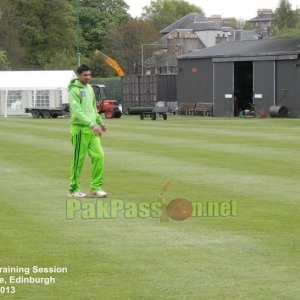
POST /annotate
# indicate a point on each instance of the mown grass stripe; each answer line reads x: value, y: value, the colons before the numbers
x: 252, y: 256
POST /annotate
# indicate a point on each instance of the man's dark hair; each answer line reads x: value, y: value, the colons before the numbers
x: 83, y: 68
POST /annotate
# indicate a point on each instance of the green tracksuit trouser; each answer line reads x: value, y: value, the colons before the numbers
x: 84, y: 141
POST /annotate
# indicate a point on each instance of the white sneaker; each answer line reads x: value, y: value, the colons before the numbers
x: 99, y: 194
x: 76, y: 195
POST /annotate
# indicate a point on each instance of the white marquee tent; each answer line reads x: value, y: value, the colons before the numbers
x: 20, y: 89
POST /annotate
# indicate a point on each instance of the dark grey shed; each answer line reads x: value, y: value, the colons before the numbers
x: 235, y: 75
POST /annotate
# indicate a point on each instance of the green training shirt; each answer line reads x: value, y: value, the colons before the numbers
x: 83, y: 104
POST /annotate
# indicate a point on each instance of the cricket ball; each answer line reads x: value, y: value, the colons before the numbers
x: 179, y: 209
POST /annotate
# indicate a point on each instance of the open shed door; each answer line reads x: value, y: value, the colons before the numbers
x: 223, y: 89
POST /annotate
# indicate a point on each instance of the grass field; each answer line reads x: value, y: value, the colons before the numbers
x: 254, y: 255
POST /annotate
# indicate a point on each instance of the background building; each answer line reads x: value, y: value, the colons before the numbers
x: 263, y: 21
x: 235, y: 75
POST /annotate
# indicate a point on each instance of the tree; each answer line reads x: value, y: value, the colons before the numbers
x: 285, y: 19
x: 47, y: 28
x: 233, y: 24
x: 289, y: 32
x: 97, y: 17
x: 60, y: 61
x: 164, y: 12
x: 123, y: 43
x: 248, y: 26
x: 10, y: 34
x: 40, y: 34
x: 4, y: 64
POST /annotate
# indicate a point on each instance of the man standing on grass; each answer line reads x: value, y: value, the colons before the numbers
x: 86, y: 128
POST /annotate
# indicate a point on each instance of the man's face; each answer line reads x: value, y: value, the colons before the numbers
x: 84, y: 77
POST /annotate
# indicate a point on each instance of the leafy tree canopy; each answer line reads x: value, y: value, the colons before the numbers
x: 123, y: 43
x: 10, y: 32
x: 96, y: 19
x: 4, y: 64
x: 285, y: 20
x: 248, y: 26
x: 162, y: 13
x: 45, y: 28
